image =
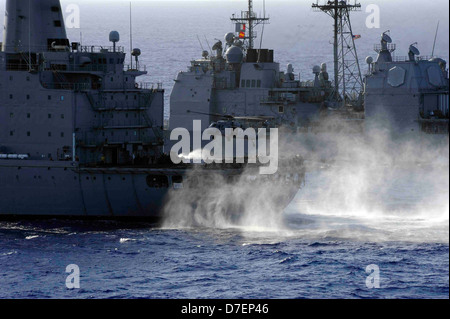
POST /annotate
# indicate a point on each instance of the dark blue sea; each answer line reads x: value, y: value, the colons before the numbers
x: 351, y: 217
x: 311, y: 250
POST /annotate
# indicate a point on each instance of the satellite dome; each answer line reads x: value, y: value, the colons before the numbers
x: 229, y: 38
x: 114, y: 36
x: 369, y: 60
x: 136, y: 52
x: 316, y: 69
x: 234, y: 55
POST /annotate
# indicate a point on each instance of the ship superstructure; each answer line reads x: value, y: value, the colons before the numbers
x: 241, y: 79
x: 79, y: 136
x: 407, y: 94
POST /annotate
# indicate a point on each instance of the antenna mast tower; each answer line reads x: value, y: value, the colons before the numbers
x: 251, y: 20
x: 347, y: 73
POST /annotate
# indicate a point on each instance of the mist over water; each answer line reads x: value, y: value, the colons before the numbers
x: 371, y: 187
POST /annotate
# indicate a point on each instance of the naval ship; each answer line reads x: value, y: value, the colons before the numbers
x: 81, y: 138
x: 240, y: 80
x: 409, y: 93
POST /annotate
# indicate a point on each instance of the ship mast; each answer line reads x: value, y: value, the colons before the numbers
x: 250, y: 20
x: 347, y: 73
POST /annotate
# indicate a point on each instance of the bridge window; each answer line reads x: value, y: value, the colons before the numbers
x: 248, y: 83
x: 57, y: 23
x: 243, y: 83
x: 258, y: 83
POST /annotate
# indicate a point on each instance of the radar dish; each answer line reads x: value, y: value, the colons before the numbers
x: 386, y: 38
x: 413, y: 49
x: 369, y: 60
x: 217, y: 46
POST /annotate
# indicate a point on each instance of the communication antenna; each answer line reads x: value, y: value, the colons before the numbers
x: 131, y: 38
x: 251, y: 20
x: 435, y: 37
x: 200, y: 42
x: 207, y: 42
x: 348, y: 83
x: 262, y: 31
x: 29, y: 35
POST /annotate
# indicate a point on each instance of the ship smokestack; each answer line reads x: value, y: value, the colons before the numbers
x: 34, y: 26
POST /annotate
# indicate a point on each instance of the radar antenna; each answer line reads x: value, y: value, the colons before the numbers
x: 347, y: 72
x: 250, y: 20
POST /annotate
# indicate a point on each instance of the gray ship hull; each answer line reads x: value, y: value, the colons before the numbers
x: 36, y: 188
x: 46, y: 189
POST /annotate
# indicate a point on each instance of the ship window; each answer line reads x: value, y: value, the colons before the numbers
x: 62, y: 134
x: 62, y: 116
x: 49, y: 97
x: 281, y: 109
x: 243, y: 83
x: 10, y: 96
x: 11, y: 115
x: 11, y: 133
x: 28, y: 78
x: 111, y: 61
x: 258, y: 83
x: 112, y: 79
x: 28, y: 133
x: 157, y: 181
x: 248, y: 83
x: 28, y: 115
x: 49, y: 134
x: 62, y: 97
x: 57, y: 23
x: 49, y: 116
x: 28, y: 96
x: 55, y: 9
x: 253, y: 83
x: 11, y: 78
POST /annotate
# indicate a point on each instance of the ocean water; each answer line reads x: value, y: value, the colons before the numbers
x: 382, y: 208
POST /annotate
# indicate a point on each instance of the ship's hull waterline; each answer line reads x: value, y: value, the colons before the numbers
x: 62, y: 190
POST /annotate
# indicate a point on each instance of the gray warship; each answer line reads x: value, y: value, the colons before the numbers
x: 81, y: 138
x: 238, y: 79
x: 409, y: 93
